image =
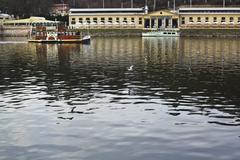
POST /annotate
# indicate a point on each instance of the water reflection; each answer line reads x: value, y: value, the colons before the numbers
x: 68, y: 95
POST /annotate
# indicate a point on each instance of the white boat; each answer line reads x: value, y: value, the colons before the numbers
x: 161, y: 33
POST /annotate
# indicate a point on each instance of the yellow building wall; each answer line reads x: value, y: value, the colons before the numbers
x: 138, y: 20
x: 236, y: 18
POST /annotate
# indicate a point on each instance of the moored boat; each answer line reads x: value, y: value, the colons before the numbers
x: 162, y: 33
x: 42, y: 34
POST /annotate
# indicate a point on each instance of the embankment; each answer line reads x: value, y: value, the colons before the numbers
x: 210, y: 33
x: 12, y: 31
x: 112, y: 32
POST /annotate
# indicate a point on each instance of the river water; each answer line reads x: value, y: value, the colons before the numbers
x: 120, y: 99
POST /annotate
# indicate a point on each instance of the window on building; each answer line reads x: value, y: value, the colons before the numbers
x: 117, y: 20
x: 183, y: 20
x: 102, y: 20
x: 132, y: 20
x: 140, y: 21
x: 214, y: 19
x: 231, y: 19
x: 88, y: 20
x: 223, y: 19
x: 95, y: 20
x: 125, y: 20
x: 80, y: 20
x: 191, y: 19
x: 206, y: 19
x: 110, y: 20
x: 198, y: 19
x: 73, y: 21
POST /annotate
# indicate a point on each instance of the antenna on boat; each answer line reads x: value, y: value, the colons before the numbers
x: 190, y: 3
x: 131, y: 3
x: 224, y: 3
x: 103, y: 4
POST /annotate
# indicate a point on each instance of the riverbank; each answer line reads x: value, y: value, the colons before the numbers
x: 210, y: 33
x: 10, y: 31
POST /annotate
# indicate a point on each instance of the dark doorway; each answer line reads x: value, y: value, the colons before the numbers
x: 175, y: 23
x: 167, y: 23
x: 152, y: 23
x: 159, y: 23
x: 146, y: 23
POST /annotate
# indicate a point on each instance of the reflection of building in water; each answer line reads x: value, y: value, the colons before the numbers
x: 210, y: 50
x: 114, y: 50
x: 52, y: 55
x: 161, y: 49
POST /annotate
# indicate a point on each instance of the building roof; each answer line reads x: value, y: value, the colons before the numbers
x: 87, y: 11
x: 4, y: 15
x: 30, y: 20
x: 209, y: 10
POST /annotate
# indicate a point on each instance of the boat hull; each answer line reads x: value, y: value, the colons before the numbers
x: 84, y: 40
x: 161, y: 34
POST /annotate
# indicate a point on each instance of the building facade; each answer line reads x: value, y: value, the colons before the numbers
x: 59, y: 9
x: 101, y: 18
x: 209, y: 18
x: 140, y: 18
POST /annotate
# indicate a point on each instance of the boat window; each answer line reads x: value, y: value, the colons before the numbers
x: 164, y: 32
x: 169, y: 32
